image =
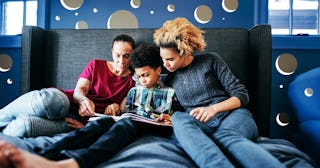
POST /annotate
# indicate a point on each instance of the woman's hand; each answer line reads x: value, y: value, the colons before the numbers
x: 203, y: 114
x: 73, y: 123
x: 112, y: 109
x: 86, y: 107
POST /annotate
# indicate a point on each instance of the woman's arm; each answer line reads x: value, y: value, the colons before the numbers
x: 204, y: 114
x: 86, y: 106
x: 230, y: 82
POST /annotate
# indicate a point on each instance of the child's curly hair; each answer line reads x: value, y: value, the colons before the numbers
x: 181, y: 35
x: 146, y: 55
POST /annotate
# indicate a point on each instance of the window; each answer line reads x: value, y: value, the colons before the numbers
x: 293, y: 17
x: 17, y: 13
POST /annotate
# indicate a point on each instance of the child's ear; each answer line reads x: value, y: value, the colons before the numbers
x: 158, y: 70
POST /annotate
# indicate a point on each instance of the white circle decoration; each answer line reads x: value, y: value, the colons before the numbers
x: 6, y: 62
x: 286, y: 64
x: 122, y: 19
x: 203, y: 14
x: 279, y: 122
x: 81, y: 25
x: 95, y: 10
x: 135, y: 3
x: 308, y: 92
x: 71, y: 4
x: 171, y: 8
x: 9, y: 81
x: 230, y: 5
x: 57, y: 18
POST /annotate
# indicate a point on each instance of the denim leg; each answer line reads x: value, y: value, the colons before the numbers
x: 120, y: 135
x: 30, y: 126
x: 241, y: 121
x: 50, y: 103
x: 193, y: 138
x: 233, y: 135
x: 79, y: 138
x: 22, y: 106
x: 32, y: 145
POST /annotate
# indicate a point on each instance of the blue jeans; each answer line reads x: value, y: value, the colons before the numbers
x: 224, y: 141
x: 39, y: 112
x: 79, y: 138
x: 38, y: 144
x: 99, y: 140
x: 32, y: 144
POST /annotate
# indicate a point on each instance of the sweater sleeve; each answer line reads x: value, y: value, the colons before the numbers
x: 229, y: 81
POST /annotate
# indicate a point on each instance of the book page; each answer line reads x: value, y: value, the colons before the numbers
x: 133, y: 116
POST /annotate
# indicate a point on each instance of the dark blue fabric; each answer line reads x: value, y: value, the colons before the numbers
x: 100, y: 140
x: 151, y: 152
x: 287, y: 153
x: 79, y: 138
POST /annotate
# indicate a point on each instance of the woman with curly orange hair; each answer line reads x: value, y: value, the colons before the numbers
x: 215, y: 128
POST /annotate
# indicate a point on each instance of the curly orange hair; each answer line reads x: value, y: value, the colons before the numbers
x: 180, y: 34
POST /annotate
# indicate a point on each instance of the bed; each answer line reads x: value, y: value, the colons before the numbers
x: 56, y: 58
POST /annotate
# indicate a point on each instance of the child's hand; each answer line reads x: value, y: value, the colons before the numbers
x: 73, y: 123
x: 112, y: 109
x: 164, y: 118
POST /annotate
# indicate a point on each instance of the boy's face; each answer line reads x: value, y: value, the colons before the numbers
x: 148, y: 77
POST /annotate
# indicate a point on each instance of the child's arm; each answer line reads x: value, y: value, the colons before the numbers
x: 116, y: 109
x: 112, y: 109
x: 122, y: 105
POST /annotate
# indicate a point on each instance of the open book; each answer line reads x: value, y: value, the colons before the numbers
x: 133, y: 116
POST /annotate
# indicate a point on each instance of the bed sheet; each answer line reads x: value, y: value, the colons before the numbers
x: 151, y: 152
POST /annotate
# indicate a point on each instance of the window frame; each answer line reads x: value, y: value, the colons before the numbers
x: 284, y: 41
x: 42, y: 13
x: 291, y: 19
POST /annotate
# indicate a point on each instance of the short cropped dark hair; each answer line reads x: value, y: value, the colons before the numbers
x: 124, y: 38
x: 146, y: 55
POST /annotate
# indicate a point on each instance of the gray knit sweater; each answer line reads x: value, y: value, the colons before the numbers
x: 207, y: 80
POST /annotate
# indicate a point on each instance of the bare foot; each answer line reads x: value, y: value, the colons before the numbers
x: 22, y: 159
x: 4, y: 162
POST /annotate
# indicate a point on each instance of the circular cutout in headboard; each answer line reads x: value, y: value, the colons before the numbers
x: 282, y: 119
x: 286, y: 64
x: 5, y: 62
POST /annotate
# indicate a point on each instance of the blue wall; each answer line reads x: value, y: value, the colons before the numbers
x: 306, y: 51
x: 10, y: 80
x: 242, y: 17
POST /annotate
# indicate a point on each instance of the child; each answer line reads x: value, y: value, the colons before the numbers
x: 101, y: 139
